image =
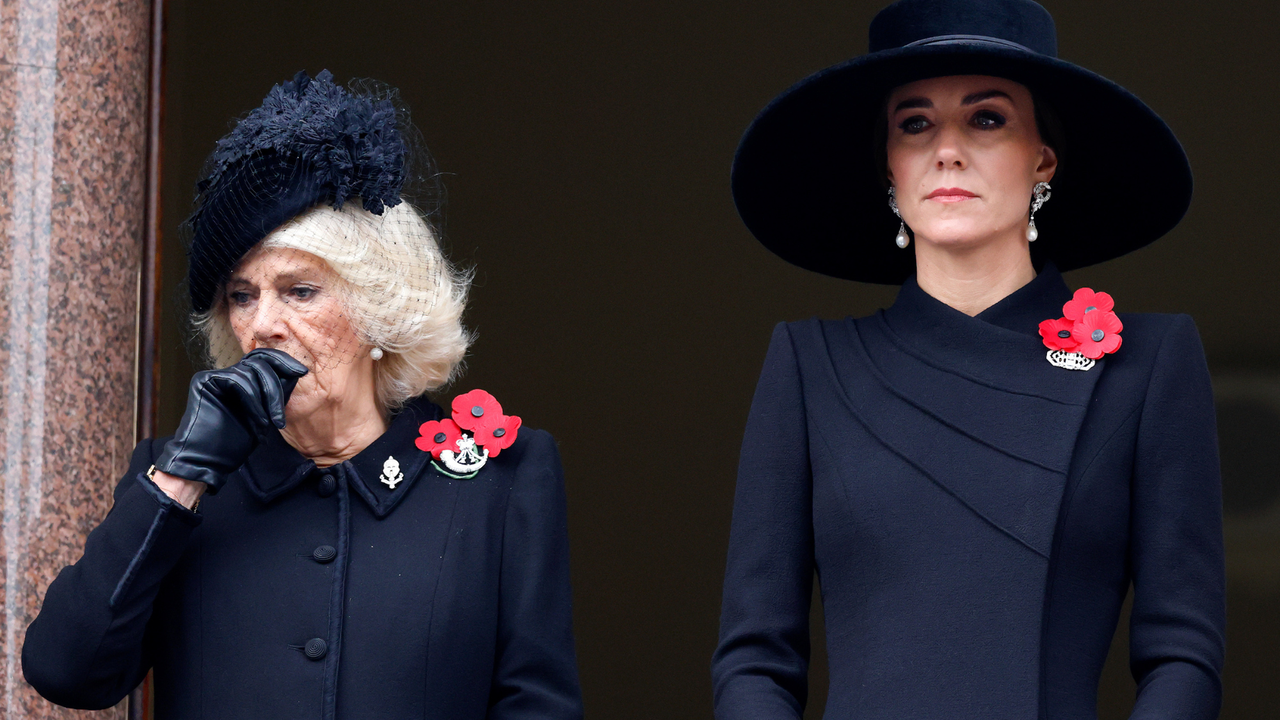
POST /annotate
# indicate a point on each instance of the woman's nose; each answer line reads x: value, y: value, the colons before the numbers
x: 950, y: 152
x: 268, y: 322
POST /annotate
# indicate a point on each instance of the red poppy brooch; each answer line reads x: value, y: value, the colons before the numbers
x: 477, y: 431
x: 1088, y: 330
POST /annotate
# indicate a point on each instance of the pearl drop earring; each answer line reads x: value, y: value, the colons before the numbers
x: 1040, y: 196
x: 903, y: 239
x: 376, y: 353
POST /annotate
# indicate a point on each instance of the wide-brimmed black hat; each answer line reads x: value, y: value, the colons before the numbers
x: 808, y: 183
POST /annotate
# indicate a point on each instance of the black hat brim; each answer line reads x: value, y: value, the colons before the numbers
x: 807, y: 182
x: 259, y: 195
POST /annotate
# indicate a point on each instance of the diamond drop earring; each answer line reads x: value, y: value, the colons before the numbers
x: 1040, y: 196
x: 902, y: 240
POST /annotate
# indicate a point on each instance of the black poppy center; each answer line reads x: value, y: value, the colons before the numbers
x: 499, y: 432
x: 1064, y: 334
x: 441, y: 437
x: 1098, y: 335
x: 1091, y: 308
x: 477, y: 411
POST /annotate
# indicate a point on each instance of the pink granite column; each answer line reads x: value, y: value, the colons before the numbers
x: 73, y: 85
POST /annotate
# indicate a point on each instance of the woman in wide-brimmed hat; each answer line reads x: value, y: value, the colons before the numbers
x: 319, y: 539
x: 979, y: 473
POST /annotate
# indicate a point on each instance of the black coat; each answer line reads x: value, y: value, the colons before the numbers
x: 297, y: 592
x: 975, y: 516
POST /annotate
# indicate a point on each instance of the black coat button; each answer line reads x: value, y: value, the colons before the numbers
x: 316, y: 648
x: 324, y: 554
x: 327, y: 486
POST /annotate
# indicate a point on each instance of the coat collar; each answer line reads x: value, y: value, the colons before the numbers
x: 1021, y: 311
x: 275, y: 467
x: 1000, y: 347
x: 365, y: 470
x: 971, y: 402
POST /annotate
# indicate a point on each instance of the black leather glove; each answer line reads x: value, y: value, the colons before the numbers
x: 228, y: 411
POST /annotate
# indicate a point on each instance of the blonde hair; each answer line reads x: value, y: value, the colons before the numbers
x: 400, y: 293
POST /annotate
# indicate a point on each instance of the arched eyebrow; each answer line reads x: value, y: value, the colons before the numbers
x: 915, y: 102
x: 924, y: 102
x: 287, y: 277
x: 984, y: 95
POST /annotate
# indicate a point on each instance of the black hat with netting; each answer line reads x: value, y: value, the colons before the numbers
x: 310, y: 142
x: 300, y: 240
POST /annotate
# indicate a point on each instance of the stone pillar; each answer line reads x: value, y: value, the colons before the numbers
x: 73, y: 90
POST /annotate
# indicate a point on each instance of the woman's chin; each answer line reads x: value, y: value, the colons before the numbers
x: 301, y: 404
x: 960, y: 238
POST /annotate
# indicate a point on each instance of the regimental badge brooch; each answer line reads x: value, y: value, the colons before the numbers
x: 464, y: 443
x: 1088, y: 330
x: 391, y: 475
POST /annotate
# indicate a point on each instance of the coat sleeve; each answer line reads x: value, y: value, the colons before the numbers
x: 760, y: 668
x: 86, y: 647
x: 1178, y: 621
x: 536, y: 670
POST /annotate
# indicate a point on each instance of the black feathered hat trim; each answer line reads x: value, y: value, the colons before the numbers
x: 310, y: 142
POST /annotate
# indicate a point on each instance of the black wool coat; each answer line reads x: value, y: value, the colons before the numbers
x: 298, y: 592
x: 975, y: 516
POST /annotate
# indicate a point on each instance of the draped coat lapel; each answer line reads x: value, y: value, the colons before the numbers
x: 974, y: 515
x: 970, y: 402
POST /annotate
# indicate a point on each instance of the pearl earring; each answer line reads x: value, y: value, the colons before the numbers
x: 902, y: 240
x: 1040, y: 196
x: 376, y: 353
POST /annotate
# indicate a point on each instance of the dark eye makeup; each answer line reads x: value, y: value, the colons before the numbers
x: 988, y: 119
x: 982, y: 119
x: 914, y: 125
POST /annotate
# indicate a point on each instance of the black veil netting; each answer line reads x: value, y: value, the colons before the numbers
x: 302, y: 238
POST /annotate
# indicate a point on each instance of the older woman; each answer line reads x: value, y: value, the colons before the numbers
x: 979, y: 473
x: 318, y: 539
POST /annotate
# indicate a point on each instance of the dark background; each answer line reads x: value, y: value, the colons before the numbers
x: 622, y: 306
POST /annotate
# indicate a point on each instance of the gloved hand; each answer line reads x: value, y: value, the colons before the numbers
x: 228, y: 411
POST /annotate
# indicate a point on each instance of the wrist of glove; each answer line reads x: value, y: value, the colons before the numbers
x: 228, y: 412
